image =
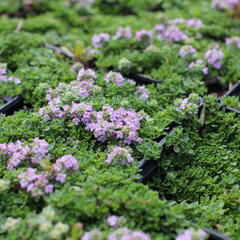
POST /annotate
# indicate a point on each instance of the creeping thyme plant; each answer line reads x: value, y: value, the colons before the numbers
x: 70, y: 157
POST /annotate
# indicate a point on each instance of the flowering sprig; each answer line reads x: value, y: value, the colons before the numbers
x: 199, y: 64
x: 114, y: 221
x: 123, y: 32
x: 233, y: 41
x: 214, y: 57
x: 114, y: 77
x: 107, y: 124
x: 99, y: 40
x: 119, y: 155
x: 191, y: 234
x: 186, y: 50
x: 120, y: 124
x: 192, y: 22
x: 5, y: 78
x: 142, y: 92
x: 172, y: 34
x: 36, y: 155
x: 225, y: 4
x: 119, y: 234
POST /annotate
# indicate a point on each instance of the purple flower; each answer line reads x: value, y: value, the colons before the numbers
x: 159, y: 28
x: 61, y: 177
x: 184, y: 103
x: 142, y: 92
x: 123, y: 32
x: 39, y: 149
x: 233, y: 41
x: 126, y: 234
x: 113, y: 221
x: 214, y: 57
x: 193, y: 22
x: 100, y: 39
x: 173, y: 34
x: 225, y: 4
x: 93, y: 235
x: 49, y: 188
x: 119, y: 155
x: 144, y: 36
x: 85, y: 75
x: 5, y: 78
x: 115, y: 78
x: 69, y: 162
x: 186, y: 50
x: 191, y: 234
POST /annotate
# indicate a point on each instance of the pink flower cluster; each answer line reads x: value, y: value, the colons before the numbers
x: 225, y: 4
x: 142, y: 92
x: 114, y: 221
x: 233, y: 41
x: 17, y: 152
x: 5, y: 78
x: 193, y: 22
x: 144, y: 36
x: 191, y: 234
x: 119, y: 234
x: 36, y: 154
x: 214, y: 57
x: 199, y: 64
x: 123, y: 32
x: 100, y: 39
x: 40, y: 183
x: 115, y: 78
x: 119, y: 155
x: 106, y: 124
x: 184, y: 103
x: 186, y: 50
x: 80, y: 88
x: 172, y: 34
x: 120, y: 124
x: 124, y: 233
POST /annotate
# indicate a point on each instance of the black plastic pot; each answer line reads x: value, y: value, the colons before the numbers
x: 140, y: 78
x: 213, y: 235
x: 233, y: 92
x: 14, y: 105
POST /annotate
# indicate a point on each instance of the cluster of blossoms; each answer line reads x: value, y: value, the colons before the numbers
x: 123, y: 32
x: 5, y: 78
x: 233, y: 41
x: 100, y: 39
x: 184, y: 103
x: 115, y: 78
x: 186, y: 50
x: 193, y: 22
x: 17, y: 152
x: 191, y: 234
x: 36, y: 154
x: 214, y: 57
x: 119, y: 155
x: 114, y: 221
x: 172, y: 34
x: 106, y: 124
x: 119, y: 234
x: 119, y: 124
x: 225, y: 4
x: 39, y: 183
x: 144, y: 36
x: 199, y: 64
x: 142, y: 92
